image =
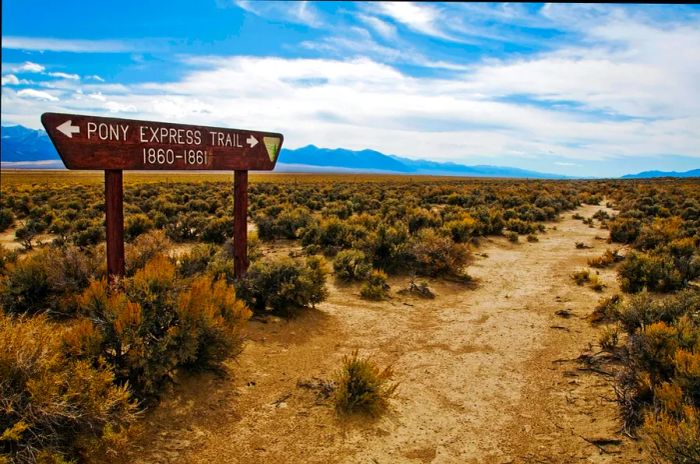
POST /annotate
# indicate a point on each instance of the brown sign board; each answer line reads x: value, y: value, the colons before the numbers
x: 91, y: 142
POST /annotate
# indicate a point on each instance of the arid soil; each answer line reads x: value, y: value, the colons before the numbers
x: 487, y: 373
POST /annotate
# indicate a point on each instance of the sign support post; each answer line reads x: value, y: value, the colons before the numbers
x: 114, y: 212
x: 115, y: 145
x: 240, y: 223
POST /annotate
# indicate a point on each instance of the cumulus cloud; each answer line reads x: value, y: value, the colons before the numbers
x: 27, y: 67
x: 10, y: 79
x: 36, y: 94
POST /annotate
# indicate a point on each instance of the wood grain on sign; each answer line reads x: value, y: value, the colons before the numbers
x: 91, y: 142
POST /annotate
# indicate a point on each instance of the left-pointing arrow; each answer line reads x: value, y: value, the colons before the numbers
x: 68, y: 129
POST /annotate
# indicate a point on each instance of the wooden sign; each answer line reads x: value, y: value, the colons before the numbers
x: 91, y: 142
x: 114, y: 145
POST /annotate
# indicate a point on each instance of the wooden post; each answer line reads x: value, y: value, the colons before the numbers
x: 240, y: 223
x: 114, y: 211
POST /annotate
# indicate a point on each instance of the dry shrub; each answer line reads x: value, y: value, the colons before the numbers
x: 284, y: 285
x: 676, y: 438
x: 609, y: 338
x: 351, y: 265
x: 606, y: 309
x: 144, y: 248
x: 581, y: 277
x: 376, y: 288
x: 659, y: 387
x: 47, y: 281
x: 606, y: 259
x: 596, y: 283
x: 158, y: 325
x: 53, y: 406
x: 435, y: 255
x: 644, y: 309
x: 210, y: 318
x: 362, y: 387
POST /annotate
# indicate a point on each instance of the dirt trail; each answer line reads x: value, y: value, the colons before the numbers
x: 478, y: 381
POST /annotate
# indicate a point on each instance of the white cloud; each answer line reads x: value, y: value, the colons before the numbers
x: 66, y: 45
x: 27, y: 67
x: 97, y: 96
x: 36, y: 94
x: 357, y: 42
x: 63, y: 75
x: 383, y: 28
x: 10, y: 79
x: 423, y: 18
x: 95, y: 77
x: 297, y: 12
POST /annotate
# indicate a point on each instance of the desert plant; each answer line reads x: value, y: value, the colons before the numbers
x: 6, y: 219
x: 653, y: 272
x: 376, y: 287
x: 56, y: 408
x: 435, y: 255
x: 606, y: 309
x: 144, y: 248
x: 136, y: 225
x: 512, y: 236
x: 362, y: 387
x: 351, y: 265
x: 532, y: 238
x: 606, y: 259
x: 284, y: 285
x: 609, y: 338
x: 581, y: 276
x: 596, y: 283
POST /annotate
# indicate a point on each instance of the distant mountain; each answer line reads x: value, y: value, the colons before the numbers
x: 652, y: 174
x: 29, y: 148
x: 20, y: 144
x: 318, y: 159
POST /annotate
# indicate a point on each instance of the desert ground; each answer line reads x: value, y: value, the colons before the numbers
x: 487, y: 373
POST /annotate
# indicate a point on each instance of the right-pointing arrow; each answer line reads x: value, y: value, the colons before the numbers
x: 252, y: 141
x: 68, y: 129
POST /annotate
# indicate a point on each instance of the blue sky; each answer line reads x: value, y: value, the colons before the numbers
x: 590, y: 90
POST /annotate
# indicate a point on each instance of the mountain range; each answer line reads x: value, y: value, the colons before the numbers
x: 651, y: 174
x: 29, y: 148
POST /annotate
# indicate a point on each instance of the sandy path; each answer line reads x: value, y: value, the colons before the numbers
x: 475, y: 366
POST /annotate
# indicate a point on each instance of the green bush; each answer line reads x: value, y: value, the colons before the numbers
x: 284, y: 285
x: 195, y: 261
x: 218, y: 230
x: 624, y: 230
x: 47, y: 281
x: 350, y: 265
x: 136, y: 225
x: 644, y: 309
x: 653, y: 272
x: 376, y: 288
x: 362, y: 387
x: 6, y: 219
x: 56, y: 408
x: 387, y: 247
